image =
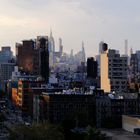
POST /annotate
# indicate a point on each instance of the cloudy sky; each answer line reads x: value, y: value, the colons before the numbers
x: 112, y: 21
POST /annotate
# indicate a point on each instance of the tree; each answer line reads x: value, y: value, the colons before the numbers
x: 54, y: 132
x: 37, y: 132
x: 89, y: 133
x: 93, y: 134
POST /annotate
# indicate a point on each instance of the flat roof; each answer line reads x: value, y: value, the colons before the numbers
x: 133, y: 116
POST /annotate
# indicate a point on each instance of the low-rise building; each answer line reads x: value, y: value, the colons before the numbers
x: 110, y: 108
x: 131, y: 123
x: 57, y: 107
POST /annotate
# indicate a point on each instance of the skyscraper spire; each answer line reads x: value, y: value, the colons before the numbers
x: 51, y: 41
x: 50, y: 32
x: 83, y: 53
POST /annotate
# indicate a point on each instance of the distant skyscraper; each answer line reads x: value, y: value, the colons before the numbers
x: 51, y: 48
x: 71, y: 60
x: 51, y: 43
x: 126, y: 47
x: 71, y: 53
x: 60, y: 46
x: 100, y: 46
x: 91, y: 68
x: 83, y: 53
x: 131, y: 51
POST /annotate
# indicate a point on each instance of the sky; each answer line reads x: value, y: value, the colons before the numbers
x: 91, y: 21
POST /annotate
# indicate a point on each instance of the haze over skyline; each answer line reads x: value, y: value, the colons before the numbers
x: 73, y: 21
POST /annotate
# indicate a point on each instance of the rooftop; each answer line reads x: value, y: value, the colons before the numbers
x: 120, y: 134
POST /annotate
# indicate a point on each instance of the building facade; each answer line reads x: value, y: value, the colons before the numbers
x: 59, y: 107
x: 6, y: 70
x: 33, y: 57
x: 134, y: 69
x: 114, y: 70
x: 109, y: 109
x: 25, y: 56
x: 92, y: 68
x: 44, y: 58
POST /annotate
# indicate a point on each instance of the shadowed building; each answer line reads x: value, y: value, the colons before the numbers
x: 25, y: 56
x: 44, y: 57
x: 91, y: 68
x: 33, y: 57
x: 59, y: 107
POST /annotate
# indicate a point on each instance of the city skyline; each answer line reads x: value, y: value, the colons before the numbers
x: 90, y: 21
